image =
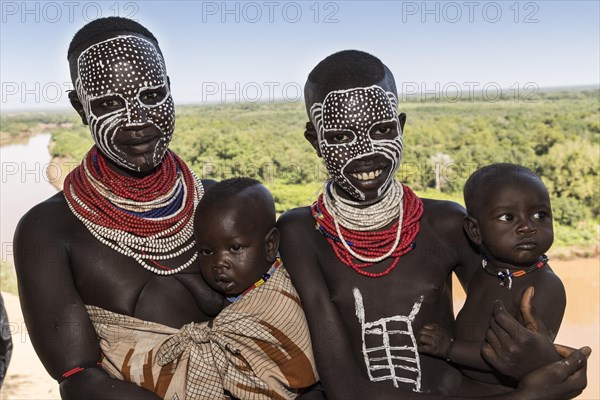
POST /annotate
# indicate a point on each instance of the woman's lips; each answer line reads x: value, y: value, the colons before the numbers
x: 366, y: 176
x: 141, y: 145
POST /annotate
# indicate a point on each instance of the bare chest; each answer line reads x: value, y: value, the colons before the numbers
x: 384, y: 315
x: 116, y: 282
x: 484, y: 289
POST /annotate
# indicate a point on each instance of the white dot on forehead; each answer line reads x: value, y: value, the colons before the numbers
x: 120, y: 56
x: 359, y: 107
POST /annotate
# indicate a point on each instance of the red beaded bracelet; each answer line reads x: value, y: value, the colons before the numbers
x: 75, y: 370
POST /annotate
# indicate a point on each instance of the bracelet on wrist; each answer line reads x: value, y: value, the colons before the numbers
x: 449, y: 349
x: 78, y: 369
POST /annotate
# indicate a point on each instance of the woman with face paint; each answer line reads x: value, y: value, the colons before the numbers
x: 372, y: 262
x: 120, y: 236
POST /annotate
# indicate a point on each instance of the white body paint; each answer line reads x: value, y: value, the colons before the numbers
x: 386, y: 362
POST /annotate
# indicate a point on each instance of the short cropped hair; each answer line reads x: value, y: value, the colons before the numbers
x: 225, y: 189
x: 228, y: 188
x: 483, y: 178
x: 346, y: 70
x: 103, y: 27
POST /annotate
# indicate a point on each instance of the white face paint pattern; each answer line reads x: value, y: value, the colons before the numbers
x: 125, y: 68
x: 358, y: 111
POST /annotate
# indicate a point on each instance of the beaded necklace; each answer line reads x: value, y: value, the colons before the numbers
x: 506, y: 277
x: 148, y: 219
x: 353, y: 233
x: 259, y: 282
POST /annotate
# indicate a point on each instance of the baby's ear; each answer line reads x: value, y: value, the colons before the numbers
x: 272, y: 244
x: 472, y: 229
x: 311, y: 135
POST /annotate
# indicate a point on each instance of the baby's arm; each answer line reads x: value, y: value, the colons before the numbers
x: 549, y: 304
x: 438, y: 342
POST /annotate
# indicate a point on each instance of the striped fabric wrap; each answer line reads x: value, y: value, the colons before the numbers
x: 256, y: 348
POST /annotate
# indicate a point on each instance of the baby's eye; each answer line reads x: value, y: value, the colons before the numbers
x: 540, y: 215
x: 236, y: 248
x: 506, y: 217
x: 206, y: 252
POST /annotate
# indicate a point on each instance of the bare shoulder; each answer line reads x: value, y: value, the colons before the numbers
x: 297, y: 218
x: 47, y: 217
x: 208, y: 183
x: 548, y: 284
x: 445, y: 208
x: 299, y: 242
x: 443, y: 221
x: 444, y: 217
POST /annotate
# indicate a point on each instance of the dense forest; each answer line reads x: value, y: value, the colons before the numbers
x: 557, y: 134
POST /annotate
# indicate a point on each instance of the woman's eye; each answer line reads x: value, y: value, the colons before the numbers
x: 152, y: 97
x: 148, y: 96
x: 383, y: 131
x: 342, y: 137
x: 338, y: 137
x: 505, y: 217
x: 111, y: 103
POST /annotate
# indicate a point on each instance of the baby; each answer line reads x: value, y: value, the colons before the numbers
x: 260, y: 342
x: 257, y: 347
x: 510, y: 220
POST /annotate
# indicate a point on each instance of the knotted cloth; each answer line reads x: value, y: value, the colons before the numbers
x: 256, y: 348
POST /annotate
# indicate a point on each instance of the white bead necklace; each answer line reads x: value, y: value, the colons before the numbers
x: 370, y: 218
x: 161, y: 246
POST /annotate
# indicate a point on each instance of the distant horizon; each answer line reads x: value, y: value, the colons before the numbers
x: 263, y: 51
x: 477, y: 97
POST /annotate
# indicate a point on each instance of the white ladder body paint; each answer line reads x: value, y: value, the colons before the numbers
x: 392, y: 358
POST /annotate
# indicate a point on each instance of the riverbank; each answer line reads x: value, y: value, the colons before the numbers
x: 27, y: 378
x: 58, y: 169
x: 23, y: 136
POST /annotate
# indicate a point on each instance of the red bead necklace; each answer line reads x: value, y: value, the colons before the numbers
x: 148, y: 219
x: 371, y: 243
x: 100, y: 210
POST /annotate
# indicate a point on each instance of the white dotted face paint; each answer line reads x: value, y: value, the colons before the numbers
x: 122, y: 84
x: 354, y: 124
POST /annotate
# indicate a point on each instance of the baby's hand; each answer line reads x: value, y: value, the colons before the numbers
x: 434, y: 340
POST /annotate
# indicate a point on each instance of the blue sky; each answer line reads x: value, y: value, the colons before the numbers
x: 263, y: 50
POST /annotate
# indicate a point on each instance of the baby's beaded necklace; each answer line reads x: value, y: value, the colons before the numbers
x: 353, y: 233
x: 265, y: 277
x: 146, y: 219
x: 506, y: 276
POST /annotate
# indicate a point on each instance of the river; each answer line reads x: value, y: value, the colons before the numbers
x: 24, y: 184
